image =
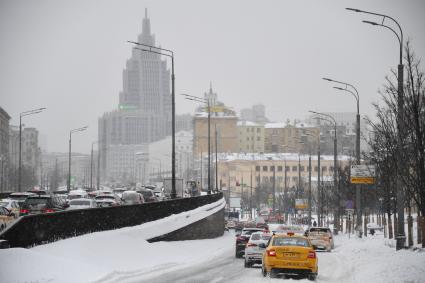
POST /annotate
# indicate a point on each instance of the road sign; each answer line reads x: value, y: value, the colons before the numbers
x: 235, y: 202
x: 300, y: 203
x: 362, y: 174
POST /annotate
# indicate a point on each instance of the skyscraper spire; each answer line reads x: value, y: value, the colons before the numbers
x: 146, y: 37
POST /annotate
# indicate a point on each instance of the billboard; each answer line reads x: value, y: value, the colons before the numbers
x: 362, y: 174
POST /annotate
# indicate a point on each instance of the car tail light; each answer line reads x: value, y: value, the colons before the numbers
x: 311, y: 254
x: 251, y: 245
x: 271, y: 253
x: 48, y: 210
x: 240, y: 238
x: 24, y: 211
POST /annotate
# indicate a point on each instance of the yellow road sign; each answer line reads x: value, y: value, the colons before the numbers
x: 363, y: 180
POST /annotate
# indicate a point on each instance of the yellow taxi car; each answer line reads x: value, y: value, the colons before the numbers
x: 289, y: 254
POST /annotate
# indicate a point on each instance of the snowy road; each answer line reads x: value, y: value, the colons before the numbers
x: 334, y: 267
x: 352, y: 260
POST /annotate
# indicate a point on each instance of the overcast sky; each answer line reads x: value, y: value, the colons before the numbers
x: 69, y: 56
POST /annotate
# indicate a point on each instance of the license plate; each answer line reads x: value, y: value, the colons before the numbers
x: 292, y: 255
x: 295, y: 264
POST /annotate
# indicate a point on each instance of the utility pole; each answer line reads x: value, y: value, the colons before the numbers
x: 274, y: 190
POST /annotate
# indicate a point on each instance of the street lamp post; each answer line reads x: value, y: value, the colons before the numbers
x: 216, y: 160
x: 358, y: 189
x: 22, y: 114
x: 309, y: 176
x: 401, y: 236
x: 207, y: 101
x: 330, y: 118
x: 69, y: 156
x: 91, y: 165
x: 170, y: 54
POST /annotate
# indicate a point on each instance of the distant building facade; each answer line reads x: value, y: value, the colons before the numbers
x: 223, y: 119
x: 4, y: 149
x: 255, y: 114
x: 250, y: 137
x: 284, y: 137
x: 127, y: 163
x: 346, y: 132
x: 184, y: 122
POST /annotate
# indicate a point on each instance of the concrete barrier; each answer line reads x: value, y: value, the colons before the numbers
x: 38, y: 229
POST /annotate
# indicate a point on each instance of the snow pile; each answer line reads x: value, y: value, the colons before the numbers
x: 370, y: 260
x: 105, y: 255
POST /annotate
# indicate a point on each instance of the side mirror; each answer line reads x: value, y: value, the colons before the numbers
x: 262, y: 245
x: 237, y: 235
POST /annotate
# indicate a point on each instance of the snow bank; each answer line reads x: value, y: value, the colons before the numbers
x: 105, y: 255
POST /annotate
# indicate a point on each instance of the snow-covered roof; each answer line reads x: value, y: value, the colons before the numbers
x: 275, y: 125
x: 247, y: 123
x: 277, y: 156
x: 278, y: 125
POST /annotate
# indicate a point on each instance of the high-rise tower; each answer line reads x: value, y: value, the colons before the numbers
x: 144, y: 110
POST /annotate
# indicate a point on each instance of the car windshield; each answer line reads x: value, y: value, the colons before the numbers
x: 35, y: 201
x: 4, y: 203
x: 105, y: 197
x: 74, y: 196
x: 319, y: 231
x: 286, y: 241
x: 18, y: 197
x: 255, y: 237
x: 146, y: 193
x: 79, y: 202
x: 248, y: 232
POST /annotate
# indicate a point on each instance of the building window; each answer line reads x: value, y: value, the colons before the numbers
x: 271, y: 168
x: 316, y: 168
x: 287, y: 168
x: 302, y: 168
x: 257, y: 168
x: 265, y: 168
x: 294, y: 168
x: 279, y: 168
x: 258, y: 138
x: 294, y: 179
x: 324, y: 169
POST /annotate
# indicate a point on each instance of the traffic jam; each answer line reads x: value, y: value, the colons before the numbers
x: 281, y: 250
x: 38, y: 201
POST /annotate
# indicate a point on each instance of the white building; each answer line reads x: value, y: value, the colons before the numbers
x: 160, y: 157
x: 126, y: 163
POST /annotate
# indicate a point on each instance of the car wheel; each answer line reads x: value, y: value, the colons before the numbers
x: 312, y: 277
x: 247, y: 264
x: 237, y: 255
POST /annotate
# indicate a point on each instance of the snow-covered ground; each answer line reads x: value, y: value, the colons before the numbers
x: 124, y: 255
